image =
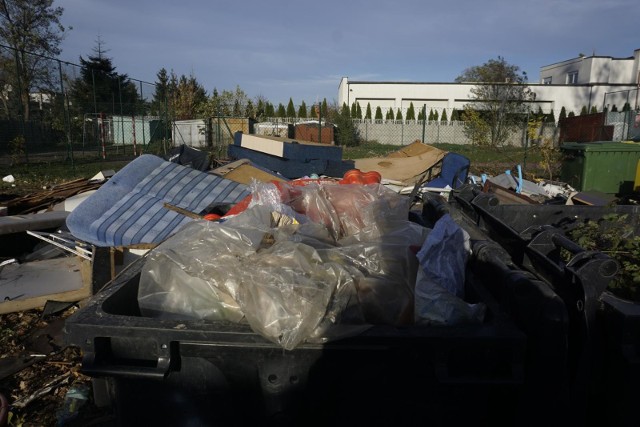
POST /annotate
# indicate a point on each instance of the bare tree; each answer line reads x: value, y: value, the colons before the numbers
x: 33, y: 30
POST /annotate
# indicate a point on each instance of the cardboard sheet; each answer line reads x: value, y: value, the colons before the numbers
x: 406, y: 165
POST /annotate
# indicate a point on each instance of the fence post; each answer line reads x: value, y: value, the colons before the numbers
x: 21, y: 105
x: 124, y: 150
x: 424, y: 122
x: 144, y: 136
x: 66, y: 119
x: 526, y: 140
x: 133, y: 127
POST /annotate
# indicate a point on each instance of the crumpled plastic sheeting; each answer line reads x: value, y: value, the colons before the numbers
x: 351, y: 211
x: 214, y: 271
x: 439, y: 290
x: 326, y: 276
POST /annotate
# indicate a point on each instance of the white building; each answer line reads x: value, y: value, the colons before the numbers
x: 585, y: 81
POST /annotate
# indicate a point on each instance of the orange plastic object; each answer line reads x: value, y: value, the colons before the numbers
x: 356, y: 176
x: 212, y: 217
x: 288, y: 193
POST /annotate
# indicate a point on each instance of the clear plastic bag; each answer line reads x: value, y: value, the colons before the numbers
x: 292, y: 280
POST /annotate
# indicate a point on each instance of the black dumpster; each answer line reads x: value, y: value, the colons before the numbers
x: 604, y: 334
x: 190, y: 372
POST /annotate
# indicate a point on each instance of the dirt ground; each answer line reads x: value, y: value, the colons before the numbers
x: 47, y: 374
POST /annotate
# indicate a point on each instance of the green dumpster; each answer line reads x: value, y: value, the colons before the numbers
x: 608, y: 167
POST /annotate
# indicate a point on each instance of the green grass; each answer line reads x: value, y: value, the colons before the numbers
x: 49, y: 169
x: 37, y: 174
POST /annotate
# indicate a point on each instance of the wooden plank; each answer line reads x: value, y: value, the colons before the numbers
x: 592, y: 198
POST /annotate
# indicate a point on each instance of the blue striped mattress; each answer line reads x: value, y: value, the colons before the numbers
x: 129, y: 208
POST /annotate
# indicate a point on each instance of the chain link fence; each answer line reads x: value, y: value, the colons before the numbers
x: 70, y: 110
x: 88, y: 110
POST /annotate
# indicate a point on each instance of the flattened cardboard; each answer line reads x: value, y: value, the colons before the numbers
x: 404, y: 165
x: 244, y: 172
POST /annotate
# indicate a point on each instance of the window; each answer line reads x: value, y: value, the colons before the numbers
x: 546, y: 81
x: 572, y: 78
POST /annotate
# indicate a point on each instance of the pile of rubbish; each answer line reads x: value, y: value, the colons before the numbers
x: 309, y: 261
x: 347, y: 212
x: 254, y: 265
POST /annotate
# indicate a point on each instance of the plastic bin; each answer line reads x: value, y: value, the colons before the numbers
x: 608, y: 167
x: 500, y: 372
x: 604, y: 333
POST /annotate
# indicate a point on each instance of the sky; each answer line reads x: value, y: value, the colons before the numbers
x: 283, y: 49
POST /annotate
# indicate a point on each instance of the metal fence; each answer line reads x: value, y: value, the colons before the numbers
x: 404, y: 132
x: 626, y: 124
x: 72, y: 108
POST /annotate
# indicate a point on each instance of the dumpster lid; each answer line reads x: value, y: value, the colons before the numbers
x: 601, y: 146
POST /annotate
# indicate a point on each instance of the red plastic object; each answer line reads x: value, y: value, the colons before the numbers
x: 356, y: 176
x: 352, y: 176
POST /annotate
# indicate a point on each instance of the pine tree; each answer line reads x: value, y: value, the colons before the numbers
x: 551, y: 117
x: 269, y: 111
x: 571, y: 114
x: 302, y: 110
x: 594, y: 109
x: 260, y: 108
x: 455, y: 115
x: 354, y: 111
x: 291, y: 110
x: 563, y: 114
x: 390, y: 115
x: 250, y: 110
x: 583, y: 111
x: 614, y: 108
x: 325, y: 109
x: 378, y: 113
x: 347, y: 132
x: 99, y: 84
x: 282, y: 112
x: 626, y: 107
x: 435, y: 116
x: 160, y: 95
x: 443, y: 118
x: 421, y: 114
x: 411, y: 114
x: 358, y: 111
x: 399, y: 114
x: 367, y: 115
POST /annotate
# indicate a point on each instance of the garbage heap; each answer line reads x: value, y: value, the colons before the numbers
x: 311, y: 261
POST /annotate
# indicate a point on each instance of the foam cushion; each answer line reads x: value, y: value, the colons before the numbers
x: 129, y: 208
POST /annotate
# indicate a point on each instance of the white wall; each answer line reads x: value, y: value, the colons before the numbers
x: 189, y: 132
x: 439, y: 96
x: 597, y: 76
